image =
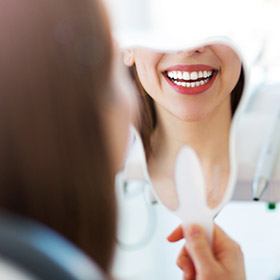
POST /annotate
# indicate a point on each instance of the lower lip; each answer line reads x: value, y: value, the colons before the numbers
x: 190, y: 90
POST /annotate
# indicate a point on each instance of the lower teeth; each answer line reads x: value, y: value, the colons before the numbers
x: 191, y: 84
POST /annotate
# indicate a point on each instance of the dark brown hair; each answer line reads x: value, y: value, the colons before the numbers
x: 147, y: 120
x: 55, y: 57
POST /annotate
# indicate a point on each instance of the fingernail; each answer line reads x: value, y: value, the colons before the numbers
x: 169, y: 238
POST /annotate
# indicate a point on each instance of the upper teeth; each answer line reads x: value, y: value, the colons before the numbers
x: 183, y: 75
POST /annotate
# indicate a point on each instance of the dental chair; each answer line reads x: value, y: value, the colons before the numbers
x: 30, y: 251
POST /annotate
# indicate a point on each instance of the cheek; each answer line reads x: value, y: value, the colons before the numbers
x: 230, y: 65
x: 232, y: 76
x: 231, y: 69
x: 146, y: 66
x: 146, y: 74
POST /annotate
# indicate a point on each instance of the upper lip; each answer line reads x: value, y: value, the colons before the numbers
x: 190, y: 67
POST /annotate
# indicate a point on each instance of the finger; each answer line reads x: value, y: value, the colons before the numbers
x: 199, y: 248
x: 185, y: 264
x: 224, y: 246
x: 176, y: 235
x: 186, y: 277
x: 221, y: 241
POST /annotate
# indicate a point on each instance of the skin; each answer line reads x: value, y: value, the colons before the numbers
x: 199, y: 261
x: 201, y: 121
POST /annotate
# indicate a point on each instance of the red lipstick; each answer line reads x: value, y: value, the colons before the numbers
x: 190, y: 79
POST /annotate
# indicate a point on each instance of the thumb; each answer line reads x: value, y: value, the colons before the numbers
x: 199, y: 248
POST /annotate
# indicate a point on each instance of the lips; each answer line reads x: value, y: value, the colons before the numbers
x: 190, y: 79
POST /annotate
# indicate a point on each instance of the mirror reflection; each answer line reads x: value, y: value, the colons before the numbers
x: 187, y: 97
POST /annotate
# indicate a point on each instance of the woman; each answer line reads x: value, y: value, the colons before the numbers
x: 56, y: 132
x: 188, y: 98
x: 177, y: 112
x: 57, y: 164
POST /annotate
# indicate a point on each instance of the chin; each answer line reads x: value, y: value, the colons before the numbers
x: 191, y: 115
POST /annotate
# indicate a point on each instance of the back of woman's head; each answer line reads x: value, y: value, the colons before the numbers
x: 55, y: 62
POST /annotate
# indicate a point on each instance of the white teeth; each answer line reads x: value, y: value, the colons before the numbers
x: 194, y: 76
x: 187, y: 76
x: 207, y: 74
x: 191, y: 84
x: 170, y: 75
x: 179, y: 75
x: 190, y: 79
x: 178, y: 83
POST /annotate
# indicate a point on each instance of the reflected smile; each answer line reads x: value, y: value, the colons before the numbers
x: 190, y: 79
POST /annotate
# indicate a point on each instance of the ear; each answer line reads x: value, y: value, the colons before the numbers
x: 128, y: 57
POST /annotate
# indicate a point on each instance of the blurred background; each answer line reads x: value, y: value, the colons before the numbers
x: 253, y: 24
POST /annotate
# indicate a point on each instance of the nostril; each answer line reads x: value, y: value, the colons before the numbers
x: 200, y: 50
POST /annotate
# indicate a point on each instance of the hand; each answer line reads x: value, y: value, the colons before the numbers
x: 201, y: 262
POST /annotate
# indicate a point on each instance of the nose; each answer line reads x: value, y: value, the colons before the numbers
x: 193, y: 51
